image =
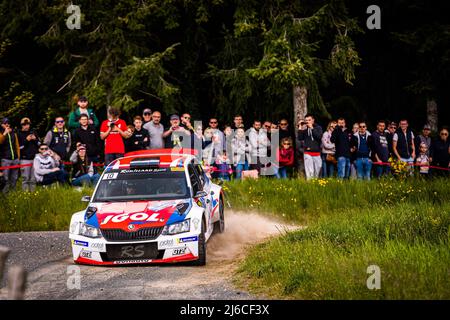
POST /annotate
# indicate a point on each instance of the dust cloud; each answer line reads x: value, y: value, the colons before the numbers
x: 243, y: 229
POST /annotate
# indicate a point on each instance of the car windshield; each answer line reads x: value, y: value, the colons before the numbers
x: 142, y: 184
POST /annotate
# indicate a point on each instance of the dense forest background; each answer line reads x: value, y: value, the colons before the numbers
x: 219, y: 58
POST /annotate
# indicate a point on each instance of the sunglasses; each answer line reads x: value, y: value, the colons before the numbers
x: 444, y: 134
x: 147, y: 114
x: 59, y: 121
x: 213, y: 122
x: 362, y: 126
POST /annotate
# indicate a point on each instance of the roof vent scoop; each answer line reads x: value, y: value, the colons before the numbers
x: 144, y: 163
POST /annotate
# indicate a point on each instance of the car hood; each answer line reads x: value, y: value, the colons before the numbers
x: 134, y: 215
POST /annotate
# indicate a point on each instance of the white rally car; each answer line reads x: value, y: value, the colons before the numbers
x: 151, y: 206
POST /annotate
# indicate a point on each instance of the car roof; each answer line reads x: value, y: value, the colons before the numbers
x: 166, y: 157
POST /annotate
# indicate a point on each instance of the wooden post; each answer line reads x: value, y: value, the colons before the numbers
x: 4, y: 252
x: 17, y: 279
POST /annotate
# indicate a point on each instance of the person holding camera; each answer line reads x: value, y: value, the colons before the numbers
x: 311, y: 135
x: 29, y: 147
x: 113, y: 131
x: 176, y: 134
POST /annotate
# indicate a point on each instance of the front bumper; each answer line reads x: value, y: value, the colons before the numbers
x: 164, y: 249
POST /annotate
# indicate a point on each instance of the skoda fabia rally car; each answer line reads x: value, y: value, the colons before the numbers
x: 149, y: 207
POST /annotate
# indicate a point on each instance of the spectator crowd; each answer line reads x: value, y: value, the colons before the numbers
x: 267, y: 148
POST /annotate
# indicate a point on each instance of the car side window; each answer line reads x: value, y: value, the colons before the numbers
x: 200, y: 174
x: 195, y: 182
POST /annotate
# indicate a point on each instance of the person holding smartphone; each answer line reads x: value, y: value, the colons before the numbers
x: 175, y: 135
x: 113, y: 131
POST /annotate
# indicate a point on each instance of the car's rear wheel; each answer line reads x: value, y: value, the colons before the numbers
x: 201, y: 261
x: 219, y: 226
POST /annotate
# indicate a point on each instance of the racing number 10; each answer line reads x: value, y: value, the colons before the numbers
x: 134, y: 217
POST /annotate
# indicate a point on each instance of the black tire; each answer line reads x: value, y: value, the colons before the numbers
x: 219, y: 226
x: 201, y: 261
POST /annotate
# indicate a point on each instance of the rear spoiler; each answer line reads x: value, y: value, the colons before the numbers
x: 163, y: 152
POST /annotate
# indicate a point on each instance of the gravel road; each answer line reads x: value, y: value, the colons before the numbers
x: 47, y: 258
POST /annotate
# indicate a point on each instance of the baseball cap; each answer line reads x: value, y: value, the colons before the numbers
x: 83, y: 98
x: 427, y: 127
x: 147, y: 110
x: 392, y: 124
x: 25, y: 121
x: 174, y: 116
x: 5, y: 120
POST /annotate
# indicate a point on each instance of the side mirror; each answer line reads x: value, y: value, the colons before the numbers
x: 200, y: 194
x: 86, y: 198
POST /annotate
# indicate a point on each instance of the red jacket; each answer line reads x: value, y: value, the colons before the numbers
x: 285, y: 157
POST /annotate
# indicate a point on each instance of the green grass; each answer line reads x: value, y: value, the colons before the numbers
x: 402, y: 227
x: 46, y: 209
x: 304, y: 202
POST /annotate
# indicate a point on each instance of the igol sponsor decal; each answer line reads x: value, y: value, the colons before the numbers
x: 81, y: 243
x: 187, y: 239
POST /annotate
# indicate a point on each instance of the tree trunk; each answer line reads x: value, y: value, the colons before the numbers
x: 300, y: 95
x: 432, y: 114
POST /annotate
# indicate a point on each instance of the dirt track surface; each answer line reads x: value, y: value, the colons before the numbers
x: 47, y: 258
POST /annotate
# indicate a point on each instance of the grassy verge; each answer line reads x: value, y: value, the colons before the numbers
x: 46, y: 209
x: 402, y: 227
x: 304, y: 202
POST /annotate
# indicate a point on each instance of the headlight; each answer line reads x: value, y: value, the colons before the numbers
x: 89, y: 231
x: 180, y: 227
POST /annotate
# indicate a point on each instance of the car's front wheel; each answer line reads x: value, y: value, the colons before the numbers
x: 219, y: 226
x: 201, y: 261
